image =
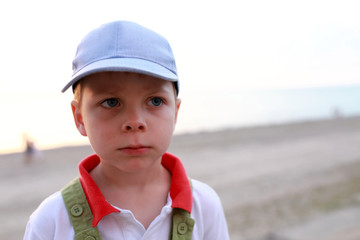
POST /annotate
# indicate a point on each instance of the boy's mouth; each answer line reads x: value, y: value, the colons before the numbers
x: 135, y: 149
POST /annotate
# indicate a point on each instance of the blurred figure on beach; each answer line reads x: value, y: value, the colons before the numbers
x: 32, y: 153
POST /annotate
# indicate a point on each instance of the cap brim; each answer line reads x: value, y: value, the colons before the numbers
x: 124, y: 65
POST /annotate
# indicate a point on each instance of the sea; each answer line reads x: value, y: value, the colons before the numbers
x: 215, y: 110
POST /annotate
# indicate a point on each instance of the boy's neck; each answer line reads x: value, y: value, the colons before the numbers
x: 115, y: 178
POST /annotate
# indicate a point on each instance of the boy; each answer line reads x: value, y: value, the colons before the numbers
x: 125, y: 101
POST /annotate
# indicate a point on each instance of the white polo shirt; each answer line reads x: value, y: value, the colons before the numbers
x: 51, y: 221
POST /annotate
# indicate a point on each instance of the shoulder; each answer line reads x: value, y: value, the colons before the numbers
x: 49, y: 209
x: 49, y: 219
x: 204, y: 195
x: 208, y: 212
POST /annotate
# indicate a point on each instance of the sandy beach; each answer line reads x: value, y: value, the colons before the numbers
x: 291, y: 181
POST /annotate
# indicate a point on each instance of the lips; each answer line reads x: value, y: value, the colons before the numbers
x: 135, y: 149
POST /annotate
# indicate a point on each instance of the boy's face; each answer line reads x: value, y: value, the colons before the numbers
x: 129, y: 118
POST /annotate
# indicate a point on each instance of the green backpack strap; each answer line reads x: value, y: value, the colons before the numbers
x: 81, y: 216
x: 182, y: 223
x: 79, y: 211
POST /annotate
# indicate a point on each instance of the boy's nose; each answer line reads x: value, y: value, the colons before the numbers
x: 132, y: 126
x: 134, y: 122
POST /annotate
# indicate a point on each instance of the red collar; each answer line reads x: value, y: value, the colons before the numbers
x: 180, y: 189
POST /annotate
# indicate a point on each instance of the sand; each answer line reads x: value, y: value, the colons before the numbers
x: 290, y: 181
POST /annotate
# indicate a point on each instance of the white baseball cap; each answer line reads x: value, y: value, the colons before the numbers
x: 125, y: 47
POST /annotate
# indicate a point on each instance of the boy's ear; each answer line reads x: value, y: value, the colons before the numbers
x: 78, y: 117
x: 177, y: 107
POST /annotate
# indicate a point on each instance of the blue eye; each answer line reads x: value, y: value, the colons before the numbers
x: 110, y: 103
x: 156, y: 101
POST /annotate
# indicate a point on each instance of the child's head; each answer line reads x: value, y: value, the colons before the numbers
x: 125, y: 99
x: 124, y: 47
